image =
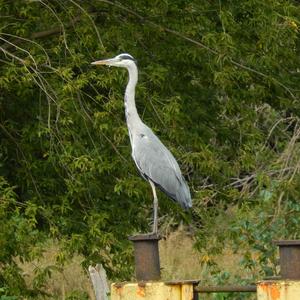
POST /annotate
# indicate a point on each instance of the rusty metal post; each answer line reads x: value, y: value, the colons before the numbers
x: 289, y: 255
x: 147, y: 268
x: 287, y: 286
x: 146, y: 256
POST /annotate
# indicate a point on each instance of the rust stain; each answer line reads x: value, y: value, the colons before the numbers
x: 275, y: 292
x: 142, y: 283
x: 272, y: 290
x: 264, y: 286
x: 118, y: 290
x: 141, y: 291
x: 119, y: 284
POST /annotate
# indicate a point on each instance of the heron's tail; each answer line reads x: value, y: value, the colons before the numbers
x: 183, y: 196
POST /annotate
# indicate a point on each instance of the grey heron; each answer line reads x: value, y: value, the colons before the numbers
x: 155, y: 162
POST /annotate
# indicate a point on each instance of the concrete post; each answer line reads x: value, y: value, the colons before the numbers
x: 158, y: 290
x: 278, y: 290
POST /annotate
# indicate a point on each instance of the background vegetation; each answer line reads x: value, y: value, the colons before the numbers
x: 219, y: 83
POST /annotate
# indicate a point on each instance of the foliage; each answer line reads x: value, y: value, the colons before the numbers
x: 218, y: 83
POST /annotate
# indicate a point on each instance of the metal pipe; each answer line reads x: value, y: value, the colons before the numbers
x: 289, y: 258
x: 226, y: 288
x: 146, y: 256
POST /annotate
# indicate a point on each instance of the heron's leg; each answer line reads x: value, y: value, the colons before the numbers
x: 155, y: 208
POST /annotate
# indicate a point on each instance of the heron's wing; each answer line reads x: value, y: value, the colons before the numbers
x: 155, y: 162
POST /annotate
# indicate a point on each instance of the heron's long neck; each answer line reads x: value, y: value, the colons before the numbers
x: 132, y: 117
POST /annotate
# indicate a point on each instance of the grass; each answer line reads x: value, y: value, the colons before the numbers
x: 179, y: 260
x: 63, y: 282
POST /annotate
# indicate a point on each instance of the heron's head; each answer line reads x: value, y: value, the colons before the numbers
x: 123, y: 60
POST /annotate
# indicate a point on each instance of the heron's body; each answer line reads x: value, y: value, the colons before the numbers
x: 154, y: 161
x: 164, y: 171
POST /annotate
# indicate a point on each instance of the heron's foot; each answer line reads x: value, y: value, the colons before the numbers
x: 155, y: 229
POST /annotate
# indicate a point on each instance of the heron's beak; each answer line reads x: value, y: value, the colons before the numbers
x: 102, y: 62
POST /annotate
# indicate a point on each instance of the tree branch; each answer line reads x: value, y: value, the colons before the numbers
x: 211, y: 50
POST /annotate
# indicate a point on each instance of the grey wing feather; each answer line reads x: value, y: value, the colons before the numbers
x: 155, y: 162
